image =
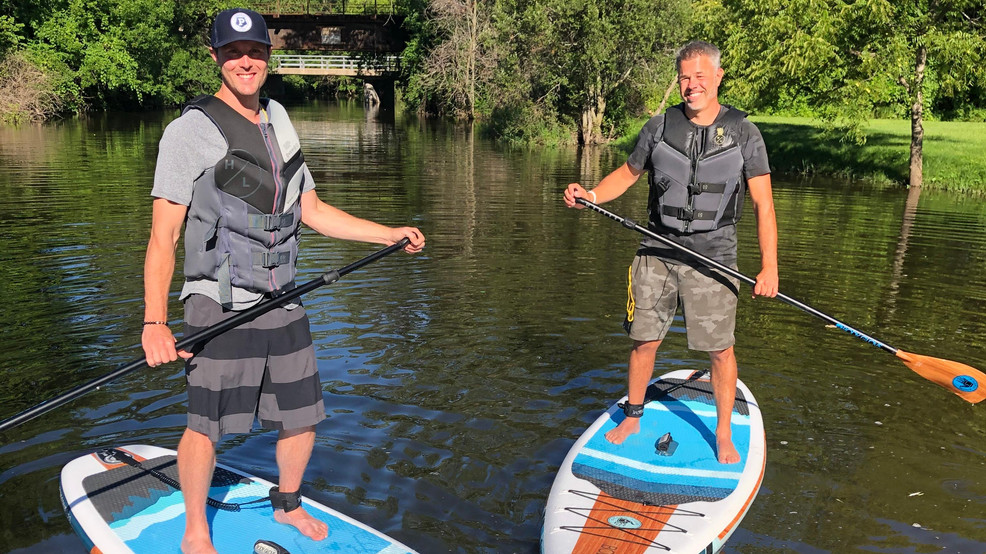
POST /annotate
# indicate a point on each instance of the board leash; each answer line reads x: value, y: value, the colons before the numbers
x: 126, y: 458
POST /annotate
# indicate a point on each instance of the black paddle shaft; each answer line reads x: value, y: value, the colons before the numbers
x: 202, y: 336
x: 630, y: 224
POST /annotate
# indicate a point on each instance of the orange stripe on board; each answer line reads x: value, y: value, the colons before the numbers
x: 599, y: 536
x: 749, y: 500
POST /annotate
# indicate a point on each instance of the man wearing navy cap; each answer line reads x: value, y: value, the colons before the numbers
x: 230, y: 170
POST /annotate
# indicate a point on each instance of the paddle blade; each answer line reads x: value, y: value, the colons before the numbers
x: 965, y: 381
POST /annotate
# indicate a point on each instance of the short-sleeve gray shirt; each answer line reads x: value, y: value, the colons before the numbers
x: 189, y: 146
x: 718, y: 244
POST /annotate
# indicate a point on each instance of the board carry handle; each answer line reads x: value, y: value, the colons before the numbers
x: 264, y: 546
x: 249, y: 314
x: 967, y: 382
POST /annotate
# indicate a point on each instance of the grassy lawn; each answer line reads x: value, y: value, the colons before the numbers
x: 954, y: 152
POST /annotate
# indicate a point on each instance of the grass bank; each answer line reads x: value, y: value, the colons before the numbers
x: 954, y: 152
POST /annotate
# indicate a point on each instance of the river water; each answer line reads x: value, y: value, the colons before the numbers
x: 456, y: 380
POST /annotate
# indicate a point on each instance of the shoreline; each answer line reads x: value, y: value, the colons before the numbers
x: 953, y: 159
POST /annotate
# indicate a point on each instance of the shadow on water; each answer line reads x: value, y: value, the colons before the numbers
x: 456, y: 380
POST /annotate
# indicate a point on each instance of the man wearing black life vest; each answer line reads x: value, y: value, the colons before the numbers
x: 701, y: 158
x: 230, y: 170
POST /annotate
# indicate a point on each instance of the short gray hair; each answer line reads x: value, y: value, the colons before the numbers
x: 697, y: 48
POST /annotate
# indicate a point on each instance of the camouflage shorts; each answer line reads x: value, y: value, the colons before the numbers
x: 707, y: 298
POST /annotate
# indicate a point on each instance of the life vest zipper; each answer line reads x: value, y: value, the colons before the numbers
x: 276, y: 171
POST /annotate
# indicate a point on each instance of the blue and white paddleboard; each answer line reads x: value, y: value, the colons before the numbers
x: 648, y: 495
x: 119, y: 508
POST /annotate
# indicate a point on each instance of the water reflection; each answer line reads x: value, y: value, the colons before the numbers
x: 456, y: 380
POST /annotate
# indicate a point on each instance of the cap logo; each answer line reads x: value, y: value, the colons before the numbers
x: 241, y: 22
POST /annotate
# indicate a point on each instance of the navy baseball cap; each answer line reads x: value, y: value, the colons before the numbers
x: 239, y: 24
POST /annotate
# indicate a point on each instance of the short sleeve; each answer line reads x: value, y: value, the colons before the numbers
x: 640, y: 157
x: 189, y: 146
x: 755, y: 161
x: 309, y: 182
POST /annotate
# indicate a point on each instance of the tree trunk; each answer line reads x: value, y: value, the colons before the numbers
x: 667, y: 93
x: 591, y: 123
x: 471, y: 63
x: 917, y: 116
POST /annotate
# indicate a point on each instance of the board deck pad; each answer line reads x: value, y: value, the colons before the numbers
x: 690, y: 475
x: 632, y: 498
x: 119, y: 508
x: 116, y: 502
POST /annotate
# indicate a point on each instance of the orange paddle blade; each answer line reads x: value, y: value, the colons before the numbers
x: 965, y: 381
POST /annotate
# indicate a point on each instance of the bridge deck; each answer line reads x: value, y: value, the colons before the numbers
x: 317, y: 7
x: 284, y: 64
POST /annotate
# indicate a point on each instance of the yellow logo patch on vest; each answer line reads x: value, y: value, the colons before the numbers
x: 720, y: 136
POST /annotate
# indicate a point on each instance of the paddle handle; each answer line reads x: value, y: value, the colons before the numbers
x: 203, y: 335
x: 630, y: 224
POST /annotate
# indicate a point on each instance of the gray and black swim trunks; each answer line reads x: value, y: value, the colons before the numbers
x: 263, y: 369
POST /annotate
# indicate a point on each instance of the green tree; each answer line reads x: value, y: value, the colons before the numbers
x: 129, y: 52
x: 600, y: 50
x: 10, y: 34
x: 529, y: 65
x: 463, y: 58
x: 106, y: 53
x: 847, y: 60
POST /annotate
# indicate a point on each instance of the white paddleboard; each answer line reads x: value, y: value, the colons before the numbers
x: 117, y: 508
x: 634, y: 498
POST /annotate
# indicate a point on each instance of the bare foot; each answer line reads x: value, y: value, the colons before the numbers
x: 727, y: 452
x: 626, y: 428
x: 197, y: 545
x: 301, y: 520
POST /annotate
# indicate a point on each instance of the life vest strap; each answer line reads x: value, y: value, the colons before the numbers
x: 688, y: 214
x: 225, y: 284
x: 271, y: 222
x: 699, y: 188
x: 268, y: 260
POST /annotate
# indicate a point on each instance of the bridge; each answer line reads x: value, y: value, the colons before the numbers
x: 351, y: 66
x: 367, y: 31
x: 340, y: 25
x: 309, y: 7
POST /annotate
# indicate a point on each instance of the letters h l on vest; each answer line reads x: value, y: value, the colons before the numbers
x: 245, y: 213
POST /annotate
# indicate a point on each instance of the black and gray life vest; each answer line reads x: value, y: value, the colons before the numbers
x: 696, y: 180
x: 245, y: 214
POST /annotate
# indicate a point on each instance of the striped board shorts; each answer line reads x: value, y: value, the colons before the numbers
x: 263, y: 369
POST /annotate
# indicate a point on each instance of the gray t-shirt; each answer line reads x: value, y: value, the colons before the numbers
x: 190, y: 145
x: 718, y: 244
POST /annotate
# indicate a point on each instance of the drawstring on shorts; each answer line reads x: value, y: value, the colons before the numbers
x: 630, y: 302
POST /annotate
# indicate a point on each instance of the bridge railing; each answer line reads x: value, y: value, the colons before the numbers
x: 316, y: 7
x: 384, y: 64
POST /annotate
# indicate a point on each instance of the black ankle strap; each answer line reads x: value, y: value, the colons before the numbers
x: 286, y: 501
x: 632, y: 410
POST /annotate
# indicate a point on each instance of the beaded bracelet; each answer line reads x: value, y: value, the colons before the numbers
x: 155, y: 323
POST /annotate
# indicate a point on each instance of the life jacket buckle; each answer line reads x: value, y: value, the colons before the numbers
x: 273, y: 259
x: 699, y: 188
x: 272, y: 222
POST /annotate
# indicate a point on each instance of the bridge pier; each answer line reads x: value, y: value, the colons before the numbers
x: 384, y: 88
